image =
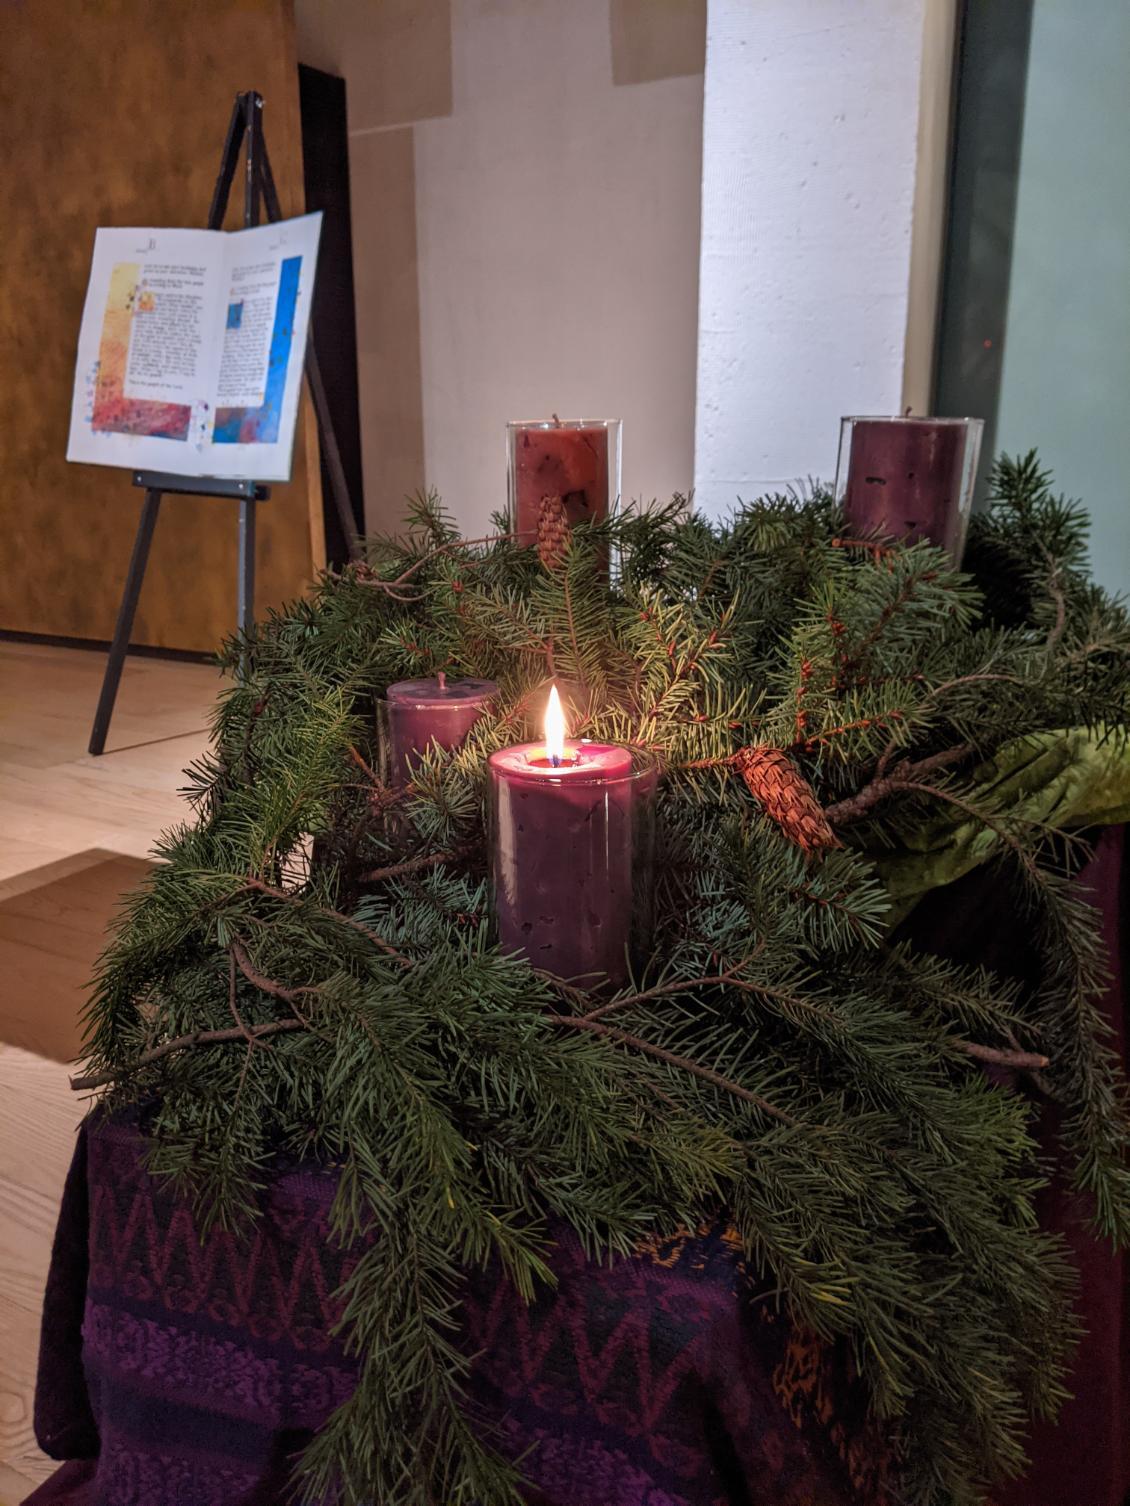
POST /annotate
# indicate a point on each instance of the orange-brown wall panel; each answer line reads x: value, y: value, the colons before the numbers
x: 114, y: 114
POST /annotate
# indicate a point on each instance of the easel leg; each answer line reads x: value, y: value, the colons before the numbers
x: 124, y: 625
x: 245, y: 592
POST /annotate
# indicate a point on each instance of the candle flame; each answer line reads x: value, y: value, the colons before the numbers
x: 554, y: 729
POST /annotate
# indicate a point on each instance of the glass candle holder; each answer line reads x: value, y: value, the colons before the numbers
x: 909, y: 478
x: 577, y: 461
x: 572, y: 858
x: 414, y: 714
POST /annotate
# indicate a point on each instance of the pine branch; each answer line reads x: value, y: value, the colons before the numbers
x: 901, y: 777
x: 683, y: 1063
x: 663, y: 990
x: 254, y: 1033
x: 998, y: 1056
x: 366, y: 576
x: 233, y: 1003
x: 488, y: 1111
x: 346, y: 920
x: 409, y: 865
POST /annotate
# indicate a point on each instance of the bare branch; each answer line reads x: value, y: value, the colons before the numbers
x: 1023, y: 1061
x: 901, y: 777
x: 182, y: 1043
x: 410, y: 865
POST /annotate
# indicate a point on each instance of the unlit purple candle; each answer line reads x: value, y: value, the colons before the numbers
x: 423, y: 712
x: 909, y: 478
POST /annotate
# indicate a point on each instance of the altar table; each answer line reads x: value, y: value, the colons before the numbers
x: 179, y: 1373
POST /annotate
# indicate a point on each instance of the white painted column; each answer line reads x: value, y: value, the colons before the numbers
x: 810, y: 152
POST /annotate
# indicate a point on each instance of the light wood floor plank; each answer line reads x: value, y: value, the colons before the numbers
x: 64, y: 815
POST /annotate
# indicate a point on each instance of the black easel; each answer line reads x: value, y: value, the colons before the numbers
x: 259, y: 188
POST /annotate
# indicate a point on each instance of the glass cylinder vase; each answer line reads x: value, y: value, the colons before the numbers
x: 415, y: 714
x: 575, y: 462
x: 909, y: 478
x: 572, y: 855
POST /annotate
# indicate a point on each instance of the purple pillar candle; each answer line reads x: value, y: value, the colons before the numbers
x: 909, y: 478
x: 422, y: 712
x: 568, y: 841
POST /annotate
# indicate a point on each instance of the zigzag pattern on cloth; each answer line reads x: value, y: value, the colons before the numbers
x: 663, y: 1379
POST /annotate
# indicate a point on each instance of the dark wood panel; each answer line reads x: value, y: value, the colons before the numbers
x: 115, y: 114
x: 325, y: 159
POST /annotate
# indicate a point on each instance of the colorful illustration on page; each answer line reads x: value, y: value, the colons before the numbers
x: 260, y: 424
x: 116, y: 412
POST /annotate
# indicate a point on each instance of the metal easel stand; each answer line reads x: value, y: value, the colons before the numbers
x: 259, y: 189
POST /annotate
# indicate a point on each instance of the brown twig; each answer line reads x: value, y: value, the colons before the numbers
x: 181, y: 1043
x: 361, y: 764
x: 876, y: 550
x: 676, y: 986
x: 232, y: 999
x: 1023, y: 1061
x: 684, y: 1063
x: 901, y: 777
x: 410, y: 865
x: 999, y: 1056
x: 566, y: 990
x: 809, y: 744
x: 726, y: 762
x: 264, y: 984
x: 939, y: 690
x: 1055, y: 591
x: 270, y: 986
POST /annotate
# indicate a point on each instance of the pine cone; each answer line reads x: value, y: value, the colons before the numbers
x: 553, y: 532
x: 786, y: 797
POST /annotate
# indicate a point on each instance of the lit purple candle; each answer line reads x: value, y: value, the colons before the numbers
x: 422, y: 712
x: 567, y: 819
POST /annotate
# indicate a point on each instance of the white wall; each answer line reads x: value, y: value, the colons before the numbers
x: 809, y: 165
x: 557, y: 219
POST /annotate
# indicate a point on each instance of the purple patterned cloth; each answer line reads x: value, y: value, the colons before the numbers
x: 176, y: 1372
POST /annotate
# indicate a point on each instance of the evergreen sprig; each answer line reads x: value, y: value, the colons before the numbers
x: 310, y: 968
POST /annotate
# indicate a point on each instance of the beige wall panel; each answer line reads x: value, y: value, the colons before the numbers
x: 114, y: 114
x: 395, y: 56
x: 386, y: 288
x: 654, y: 39
x: 525, y: 234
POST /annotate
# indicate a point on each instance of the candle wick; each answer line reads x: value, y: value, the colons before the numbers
x: 555, y: 761
x: 442, y: 678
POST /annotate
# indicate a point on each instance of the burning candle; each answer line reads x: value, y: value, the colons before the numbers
x: 421, y: 712
x: 570, y: 852
x: 909, y: 478
x: 577, y: 461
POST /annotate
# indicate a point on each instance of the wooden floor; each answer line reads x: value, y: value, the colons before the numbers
x: 64, y: 815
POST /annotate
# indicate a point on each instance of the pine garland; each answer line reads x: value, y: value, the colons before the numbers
x: 309, y: 967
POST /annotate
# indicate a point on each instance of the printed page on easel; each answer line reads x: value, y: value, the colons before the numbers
x: 190, y: 355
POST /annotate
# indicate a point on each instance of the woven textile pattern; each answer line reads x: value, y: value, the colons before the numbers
x: 176, y: 1372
